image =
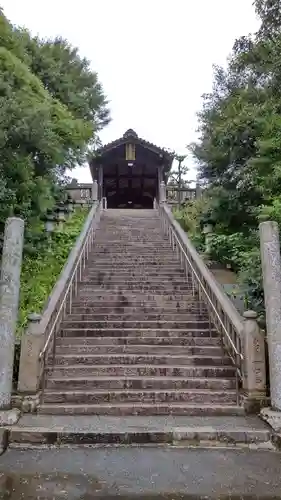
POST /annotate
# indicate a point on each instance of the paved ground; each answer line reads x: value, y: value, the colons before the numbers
x: 87, y: 473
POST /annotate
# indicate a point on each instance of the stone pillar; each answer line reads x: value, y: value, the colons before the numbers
x: 95, y: 191
x: 198, y: 191
x: 30, y: 365
x: 100, y: 182
x: 254, y: 372
x: 208, y: 231
x: 9, y: 302
x: 271, y: 273
x: 162, y: 192
x: 50, y: 224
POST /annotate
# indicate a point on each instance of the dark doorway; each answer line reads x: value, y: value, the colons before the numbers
x: 129, y: 198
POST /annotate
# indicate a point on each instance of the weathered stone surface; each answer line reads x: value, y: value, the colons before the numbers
x: 9, y: 299
x: 31, y: 345
x: 65, y: 377
x: 137, y: 340
x: 9, y: 417
x: 138, y: 472
x: 271, y: 270
x: 95, y: 191
x: 3, y: 440
x: 183, y: 431
x: 272, y: 417
x: 144, y: 409
x: 254, y: 372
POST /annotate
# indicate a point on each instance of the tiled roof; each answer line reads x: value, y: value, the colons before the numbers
x: 132, y: 134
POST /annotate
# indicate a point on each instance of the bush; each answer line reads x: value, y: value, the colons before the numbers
x: 191, y: 217
x: 239, y: 251
x: 42, y: 267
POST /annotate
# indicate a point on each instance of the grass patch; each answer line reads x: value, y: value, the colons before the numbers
x: 41, y: 270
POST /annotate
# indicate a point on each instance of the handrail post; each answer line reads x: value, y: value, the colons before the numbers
x: 104, y: 203
x: 95, y: 191
x: 253, y: 368
x: 162, y: 193
x: 30, y: 365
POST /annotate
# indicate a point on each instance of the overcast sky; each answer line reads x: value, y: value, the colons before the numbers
x: 154, y: 57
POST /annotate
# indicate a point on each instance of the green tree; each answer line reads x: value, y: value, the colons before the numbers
x: 52, y: 107
x: 269, y: 12
x: 239, y: 150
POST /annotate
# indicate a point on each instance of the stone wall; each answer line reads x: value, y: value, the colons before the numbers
x: 80, y: 192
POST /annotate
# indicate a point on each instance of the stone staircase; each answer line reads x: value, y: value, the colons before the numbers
x: 137, y: 341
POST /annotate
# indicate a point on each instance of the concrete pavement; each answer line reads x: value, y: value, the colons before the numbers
x: 87, y: 473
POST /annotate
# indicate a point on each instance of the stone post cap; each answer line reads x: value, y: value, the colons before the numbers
x: 19, y: 219
x: 269, y: 223
x: 34, y: 317
x: 250, y: 314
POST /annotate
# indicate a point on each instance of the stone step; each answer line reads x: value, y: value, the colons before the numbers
x: 143, y: 359
x: 222, y: 431
x: 134, y: 274
x: 150, y: 282
x: 77, y: 376
x: 141, y: 324
x: 137, y: 383
x: 115, y: 235
x: 169, y: 287
x: 139, y: 307
x: 146, y: 260
x: 142, y: 333
x: 140, y: 409
x: 134, y: 253
x: 140, y: 247
x: 137, y: 316
x: 156, y: 258
x: 110, y: 247
x: 137, y: 341
x: 135, y: 250
x: 128, y: 298
x: 127, y: 267
x: 140, y: 349
x: 144, y: 396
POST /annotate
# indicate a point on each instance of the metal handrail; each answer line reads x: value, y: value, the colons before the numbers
x: 71, y: 290
x: 207, y: 296
x: 237, y: 325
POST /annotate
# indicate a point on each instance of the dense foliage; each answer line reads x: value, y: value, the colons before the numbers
x: 52, y: 108
x: 239, y: 149
x: 41, y: 270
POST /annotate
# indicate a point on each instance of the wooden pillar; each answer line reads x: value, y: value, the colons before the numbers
x: 160, y: 179
x: 100, y: 181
